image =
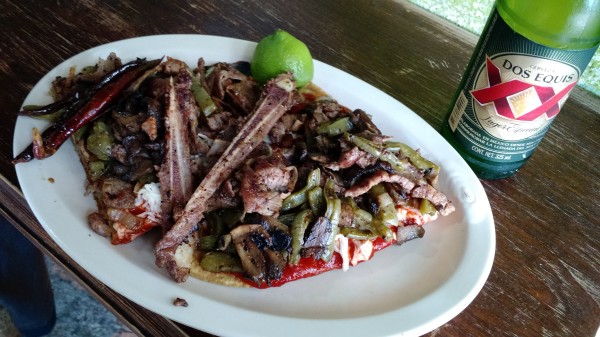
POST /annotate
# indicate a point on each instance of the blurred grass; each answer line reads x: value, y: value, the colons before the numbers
x: 472, y: 15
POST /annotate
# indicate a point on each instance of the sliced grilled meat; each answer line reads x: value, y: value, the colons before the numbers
x: 265, y: 183
x: 317, y: 240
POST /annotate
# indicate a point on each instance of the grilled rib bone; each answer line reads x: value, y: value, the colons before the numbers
x: 175, y: 174
x: 276, y: 99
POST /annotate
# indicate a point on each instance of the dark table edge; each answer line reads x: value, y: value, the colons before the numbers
x: 15, y: 209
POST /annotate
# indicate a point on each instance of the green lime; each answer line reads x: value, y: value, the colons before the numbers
x: 278, y: 53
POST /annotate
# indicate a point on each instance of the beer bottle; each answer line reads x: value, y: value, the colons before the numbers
x: 528, y: 58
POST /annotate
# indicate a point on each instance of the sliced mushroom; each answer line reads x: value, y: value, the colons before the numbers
x: 247, y: 240
x: 275, y: 264
x: 281, y: 238
x: 407, y: 233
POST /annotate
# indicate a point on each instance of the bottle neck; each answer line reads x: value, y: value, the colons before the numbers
x: 559, y: 24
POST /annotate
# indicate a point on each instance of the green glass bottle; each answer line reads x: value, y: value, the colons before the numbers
x: 531, y: 53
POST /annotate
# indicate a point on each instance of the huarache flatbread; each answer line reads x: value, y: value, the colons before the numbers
x: 249, y: 185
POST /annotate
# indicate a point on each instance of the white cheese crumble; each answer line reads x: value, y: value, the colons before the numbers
x: 413, y: 216
x: 363, y: 250
x: 149, y: 198
x: 341, y: 247
x: 121, y: 230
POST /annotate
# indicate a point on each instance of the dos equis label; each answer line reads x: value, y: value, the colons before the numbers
x: 512, y: 93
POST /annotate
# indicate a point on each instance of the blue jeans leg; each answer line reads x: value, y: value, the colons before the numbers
x: 25, y: 289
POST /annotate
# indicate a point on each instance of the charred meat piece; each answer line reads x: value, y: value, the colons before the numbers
x: 180, y: 302
x: 243, y: 95
x: 357, y: 157
x: 266, y: 183
x: 99, y: 224
x: 66, y: 86
x: 437, y: 198
x: 138, y: 132
x: 346, y: 215
x: 318, y: 237
x: 226, y: 196
x: 234, y: 91
x: 354, y: 174
x: 364, y: 185
x: 117, y: 193
x: 219, y: 120
x: 136, y: 161
x: 363, y: 122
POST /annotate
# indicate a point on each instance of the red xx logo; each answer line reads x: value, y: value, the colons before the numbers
x: 498, y: 93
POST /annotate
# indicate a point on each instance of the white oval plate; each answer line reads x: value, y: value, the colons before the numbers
x: 404, y: 290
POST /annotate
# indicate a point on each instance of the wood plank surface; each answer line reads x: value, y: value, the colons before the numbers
x: 546, y: 276
x: 147, y: 323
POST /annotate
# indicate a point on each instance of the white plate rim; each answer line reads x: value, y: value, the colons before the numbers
x: 438, y: 306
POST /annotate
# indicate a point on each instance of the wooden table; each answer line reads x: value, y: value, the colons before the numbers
x: 546, y: 277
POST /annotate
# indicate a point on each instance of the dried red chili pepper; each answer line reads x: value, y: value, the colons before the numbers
x: 106, y: 92
x: 52, y: 107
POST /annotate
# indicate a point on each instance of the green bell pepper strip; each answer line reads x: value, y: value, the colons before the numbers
x: 52, y: 117
x: 230, y: 216
x: 330, y: 247
x: 415, y: 157
x: 382, y: 229
x: 365, y: 225
x: 333, y: 209
x: 316, y: 199
x: 363, y: 144
x: 386, y: 215
x: 362, y: 219
x: 299, y: 197
x: 217, y: 227
x: 100, y: 141
x: 203, y: 99
x: 294, y: 200
x: 374, y: 150
x: 97, y: 169
x: 387, y: 208
x: 333, y: 212
x: 299, y: 226
x: 357, y: 234
x: 208, y: 242
x: 336, y: 127
x: 220, y: 262
x: 426, y: 207
x: 287, y: 219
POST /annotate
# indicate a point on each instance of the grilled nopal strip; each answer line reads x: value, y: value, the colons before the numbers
x: 276, y: 99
